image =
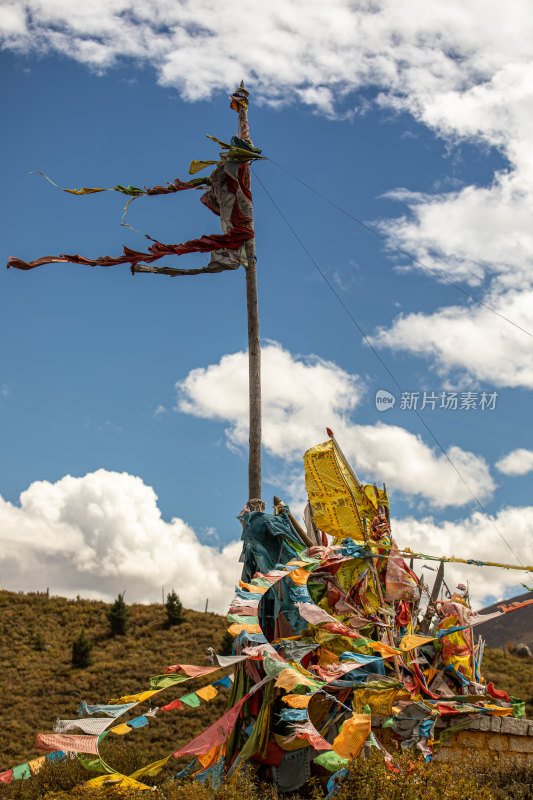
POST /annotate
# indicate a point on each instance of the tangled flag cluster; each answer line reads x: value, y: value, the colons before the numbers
x: 327, y: 634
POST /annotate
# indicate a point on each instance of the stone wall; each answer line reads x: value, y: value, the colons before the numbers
x: 502, y: 738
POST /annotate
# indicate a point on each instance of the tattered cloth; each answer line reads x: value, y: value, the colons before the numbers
x: 228, y: 195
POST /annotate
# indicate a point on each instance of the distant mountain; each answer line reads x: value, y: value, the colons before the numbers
x: 514, y: 627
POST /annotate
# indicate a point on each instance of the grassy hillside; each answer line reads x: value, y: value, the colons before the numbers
x: 39, y: 686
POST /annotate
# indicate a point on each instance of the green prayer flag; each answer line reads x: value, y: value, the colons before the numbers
x: 330, y: 760
x: 191, y: 699
x: 243, y: 620
x: 164, y: 681
x: 519, y: 707
x: 21, y: 772
x: 93, y: 763
x: 132, y: 190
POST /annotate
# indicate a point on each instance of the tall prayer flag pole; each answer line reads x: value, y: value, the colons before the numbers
x: 228, y: 195
x: 240, y: 99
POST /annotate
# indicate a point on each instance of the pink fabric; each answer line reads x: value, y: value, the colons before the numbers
x: 314, y: 614
x: 7, y: 776
x: 191, y: 670
x: 69, y: 744
x: 400, y: 582
x: 249, y: 611
x: 334, y: 671
x: 216, y: 734
x: 307, y: 730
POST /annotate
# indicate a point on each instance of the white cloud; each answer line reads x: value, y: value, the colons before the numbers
x: 517, y: 462
x: 470, y: 339
x: 102, y: 533
x: 301, y: 396
x: 474, y: 538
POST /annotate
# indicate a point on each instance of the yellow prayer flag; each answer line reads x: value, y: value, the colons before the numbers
x: 411, y: 641
x: 198, y: 166
x: 115, y: 778
x: 84, y: 190
x: 211, y: 757
x: 289, y: 678
x: 250, y: 587
x: 333, y: 494
x: 384, y: 649
x: 36, y: 764
x: 326, y: 657
x: 136, y: 698
x: 150, y: 769
x: 352, y: 736
x: 207, y: 692
x: 120, y: 730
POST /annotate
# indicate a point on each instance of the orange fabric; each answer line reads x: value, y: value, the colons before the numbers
x: 251, y: 588
x: 235, y: 629
x: 297, y: 700
x: 299, y: 576
x: 411, y: 641
x: 352, y: 736
x: 211, y: 757
x: 207, y: 692
x: 384, y: 649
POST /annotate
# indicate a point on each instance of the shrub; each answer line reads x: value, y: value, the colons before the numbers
x: 39, y: 643
x: 81, y: 651
x: 117, y: 616
x: 174, y: 610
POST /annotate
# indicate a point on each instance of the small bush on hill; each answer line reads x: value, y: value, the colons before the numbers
x: 117, y: 616
x: 174, y: 610
x: 81, y: 651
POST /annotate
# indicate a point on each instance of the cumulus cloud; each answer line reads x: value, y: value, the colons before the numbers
x: 517, y: 462
x: 301, y: 396
x: 470, y: 340
x: 474, y: 538
x: 102, y: 533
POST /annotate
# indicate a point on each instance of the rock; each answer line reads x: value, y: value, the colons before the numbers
x: 522, y: 650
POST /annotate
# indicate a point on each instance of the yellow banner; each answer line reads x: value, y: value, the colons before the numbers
x: 334, y: 495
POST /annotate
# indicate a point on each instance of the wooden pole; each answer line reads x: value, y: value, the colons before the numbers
x: 254, y: 342
x: 279, y: 504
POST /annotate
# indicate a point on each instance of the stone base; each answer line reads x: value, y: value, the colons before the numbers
x: 502, y: 739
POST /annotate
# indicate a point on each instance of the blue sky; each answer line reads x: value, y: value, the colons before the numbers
x: 434, y: 157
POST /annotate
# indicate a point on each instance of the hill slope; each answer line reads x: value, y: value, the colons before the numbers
x: 515, y: 627
x: 40, y: 686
